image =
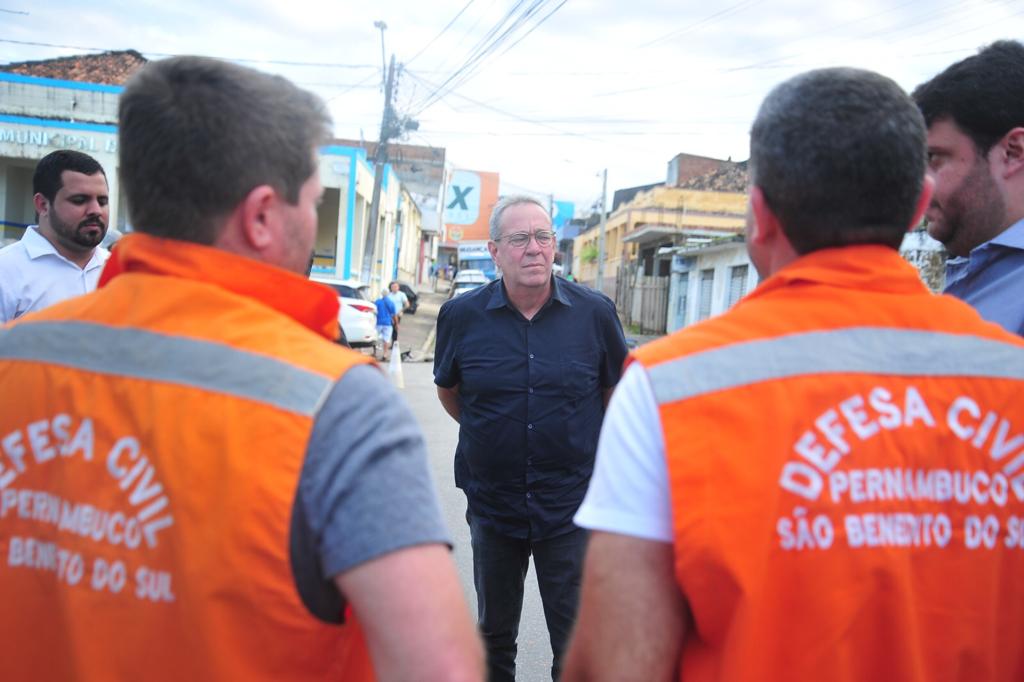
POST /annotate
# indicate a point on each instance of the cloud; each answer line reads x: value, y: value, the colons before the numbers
x: 629, y: 85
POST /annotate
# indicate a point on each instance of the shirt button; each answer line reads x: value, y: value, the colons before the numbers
x: 529, y: 426
x: 529, y: 495
x: 531, y: 356
x: 531, y: 389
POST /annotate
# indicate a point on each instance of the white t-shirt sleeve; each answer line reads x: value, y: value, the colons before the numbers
x: 629, y: 492
x: 11, y: 278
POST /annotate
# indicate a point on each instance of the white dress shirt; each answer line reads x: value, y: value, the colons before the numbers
x: 629, y: 490
x: 33, y: 275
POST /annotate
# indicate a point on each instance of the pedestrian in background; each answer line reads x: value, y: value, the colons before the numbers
x: 401, y: 303
x: 975, y: 116
x: 60, y: 257
x: 387, y: 320
x: 821, y: 483
x: 525, y: 365
x: 240, y: 498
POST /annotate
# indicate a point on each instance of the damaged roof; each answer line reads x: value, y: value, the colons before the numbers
x: 108, y: 68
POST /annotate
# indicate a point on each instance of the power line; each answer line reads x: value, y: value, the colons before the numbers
x: 534, y: 27
x: 485, y: 48
x: 442, y: 32
x: 915, y: 23
x: 509, y: 114
x: 706, y: 20
x: 328, y: 84
x: 482, y: 49
x: 787, y: 61
x: 966, y: 31
x: 633, y: 147
x: 466, y: 34
x: 352, y: 87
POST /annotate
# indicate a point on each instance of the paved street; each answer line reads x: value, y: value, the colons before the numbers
x: 441, y: 432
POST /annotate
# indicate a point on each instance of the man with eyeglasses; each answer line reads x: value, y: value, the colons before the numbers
x: 526, y: 365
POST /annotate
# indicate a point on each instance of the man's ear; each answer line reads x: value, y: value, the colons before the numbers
x: 766, y: 226
x: 493, y: 249
x: 1012, y: 150
x: 40, y: 203
x: 259, y: 218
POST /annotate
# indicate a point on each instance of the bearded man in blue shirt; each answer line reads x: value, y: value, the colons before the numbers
x: 526, y: 364
x: 975, y: 115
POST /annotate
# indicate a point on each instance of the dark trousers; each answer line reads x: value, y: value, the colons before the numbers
x: 499, y: 571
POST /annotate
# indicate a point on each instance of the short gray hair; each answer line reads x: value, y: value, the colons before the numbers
x: 505, y: 202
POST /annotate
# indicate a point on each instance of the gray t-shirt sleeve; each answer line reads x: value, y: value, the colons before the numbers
x: 365, y: 488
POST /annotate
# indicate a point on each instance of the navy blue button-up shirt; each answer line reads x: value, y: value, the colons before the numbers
x: 530, y: 401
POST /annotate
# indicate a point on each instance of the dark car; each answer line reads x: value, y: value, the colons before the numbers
x: 411, y: 295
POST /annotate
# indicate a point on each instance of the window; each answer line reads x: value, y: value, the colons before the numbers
x: 707, y: 281
x: 683, y: 290
x: 647, y: 262
x: 737, y: 283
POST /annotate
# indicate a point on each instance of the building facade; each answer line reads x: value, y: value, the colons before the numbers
x: 40, y: 114
x: 709, y: 279
x: 654, y: 219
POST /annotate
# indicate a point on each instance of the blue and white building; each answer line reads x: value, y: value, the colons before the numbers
x: 39, y: 115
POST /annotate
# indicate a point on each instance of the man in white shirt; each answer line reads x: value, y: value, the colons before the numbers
x: 399, y: 298
x: 401, y: 301
x: 60, y: 257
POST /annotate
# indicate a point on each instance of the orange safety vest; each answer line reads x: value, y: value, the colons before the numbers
x: 152, y: 435
x: 846, y: 465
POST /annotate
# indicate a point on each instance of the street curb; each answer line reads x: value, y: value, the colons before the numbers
x: 429, y: 342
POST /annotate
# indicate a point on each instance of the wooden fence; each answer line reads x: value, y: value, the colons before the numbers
x: 642, y: 301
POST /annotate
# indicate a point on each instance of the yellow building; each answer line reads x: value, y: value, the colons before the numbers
x: 659, y: 217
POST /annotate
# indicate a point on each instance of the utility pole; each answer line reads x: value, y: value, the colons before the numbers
x: 387, y: 130
x: 383, y: 61
x: 600, y: 232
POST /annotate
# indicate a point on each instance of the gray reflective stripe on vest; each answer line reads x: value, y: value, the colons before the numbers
x: 868, y: 350
x: 178, y: 360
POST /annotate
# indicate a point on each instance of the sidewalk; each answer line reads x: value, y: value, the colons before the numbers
x: 637, y: 340
x: 416, y: 333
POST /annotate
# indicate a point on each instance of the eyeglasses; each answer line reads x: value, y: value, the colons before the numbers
x: 521, y: 239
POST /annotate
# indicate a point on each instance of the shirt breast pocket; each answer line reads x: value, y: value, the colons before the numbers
x: 579, y: 373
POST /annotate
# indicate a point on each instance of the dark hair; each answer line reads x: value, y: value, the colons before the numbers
x: 198, y: 134
x: 840, y: 157
x: 983, y: 94
x: 46, y: 179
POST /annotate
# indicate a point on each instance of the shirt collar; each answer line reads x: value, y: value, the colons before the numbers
x: 1013, y: 236
x: 499, y: 299
x: 37, y: 246
x: 866, y: 266
x: 558, y: 291
x: 958, y: 267
x: 313, y: 305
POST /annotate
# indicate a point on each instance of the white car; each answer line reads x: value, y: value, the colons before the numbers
x: 357, y: 314
x: 467, y: 280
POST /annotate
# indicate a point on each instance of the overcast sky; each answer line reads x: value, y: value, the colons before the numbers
x: 574, y: 88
